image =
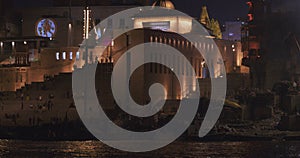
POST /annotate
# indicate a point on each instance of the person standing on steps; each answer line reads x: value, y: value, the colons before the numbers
x: 22, y: 101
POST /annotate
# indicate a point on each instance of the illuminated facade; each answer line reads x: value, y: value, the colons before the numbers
x: 51, y: 55
x: 31, y: 61
x: 181, y: 24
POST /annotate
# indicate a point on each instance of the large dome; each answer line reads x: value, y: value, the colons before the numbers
x: 164, y: 3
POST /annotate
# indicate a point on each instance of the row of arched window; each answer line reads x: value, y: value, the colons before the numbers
x: 67, y: 55
x: 180, y: 43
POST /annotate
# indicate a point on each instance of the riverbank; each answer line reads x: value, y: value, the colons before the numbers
x: 76, y: 131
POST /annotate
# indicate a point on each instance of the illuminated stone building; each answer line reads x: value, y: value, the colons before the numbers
x: 48, y: 45
x: 51, y: 37
x: 160, y: 29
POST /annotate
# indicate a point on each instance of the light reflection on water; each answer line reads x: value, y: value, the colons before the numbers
x: 20, y: 148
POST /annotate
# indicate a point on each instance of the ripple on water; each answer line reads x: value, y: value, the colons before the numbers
x: 20, y: 148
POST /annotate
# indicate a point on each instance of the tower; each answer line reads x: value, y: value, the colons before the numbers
x: 204, y: 18
x: 215, y: 28
x: 252, y: 38
x: 213, y: 25
x: 164, y: 3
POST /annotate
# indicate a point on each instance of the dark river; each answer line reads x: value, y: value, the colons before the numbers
x: 44, y: 149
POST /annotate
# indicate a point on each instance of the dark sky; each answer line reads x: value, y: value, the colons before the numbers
x: 223, y: 10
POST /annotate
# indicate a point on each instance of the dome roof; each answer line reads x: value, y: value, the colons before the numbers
x: 164, y: 3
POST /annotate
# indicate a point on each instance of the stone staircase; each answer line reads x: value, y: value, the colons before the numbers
x: 57, y: 90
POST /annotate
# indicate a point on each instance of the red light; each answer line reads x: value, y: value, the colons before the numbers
x: 250, y: 17
x: 250, y: 4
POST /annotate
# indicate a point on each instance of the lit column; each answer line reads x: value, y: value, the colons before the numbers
x: 1, y: 45
x: 86, y: 29
x: 13, y: 47
x: 111, y: 50
x: 87, y: 22
x: 70, y: 42
x: 234, y: 57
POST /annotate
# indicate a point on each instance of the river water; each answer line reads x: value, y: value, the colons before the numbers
x: 44, y: 149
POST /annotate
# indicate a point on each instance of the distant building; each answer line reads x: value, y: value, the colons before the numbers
x: 233, y: 31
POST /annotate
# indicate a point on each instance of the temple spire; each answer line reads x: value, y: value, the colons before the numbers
x: 204, y: 18
x: 215, y: 28
x: 211, y: 24
x: 164, y: 3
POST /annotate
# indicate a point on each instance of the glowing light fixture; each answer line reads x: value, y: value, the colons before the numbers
x: 86, y: 22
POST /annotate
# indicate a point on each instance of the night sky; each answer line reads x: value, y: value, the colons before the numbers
x: 223, y: 10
